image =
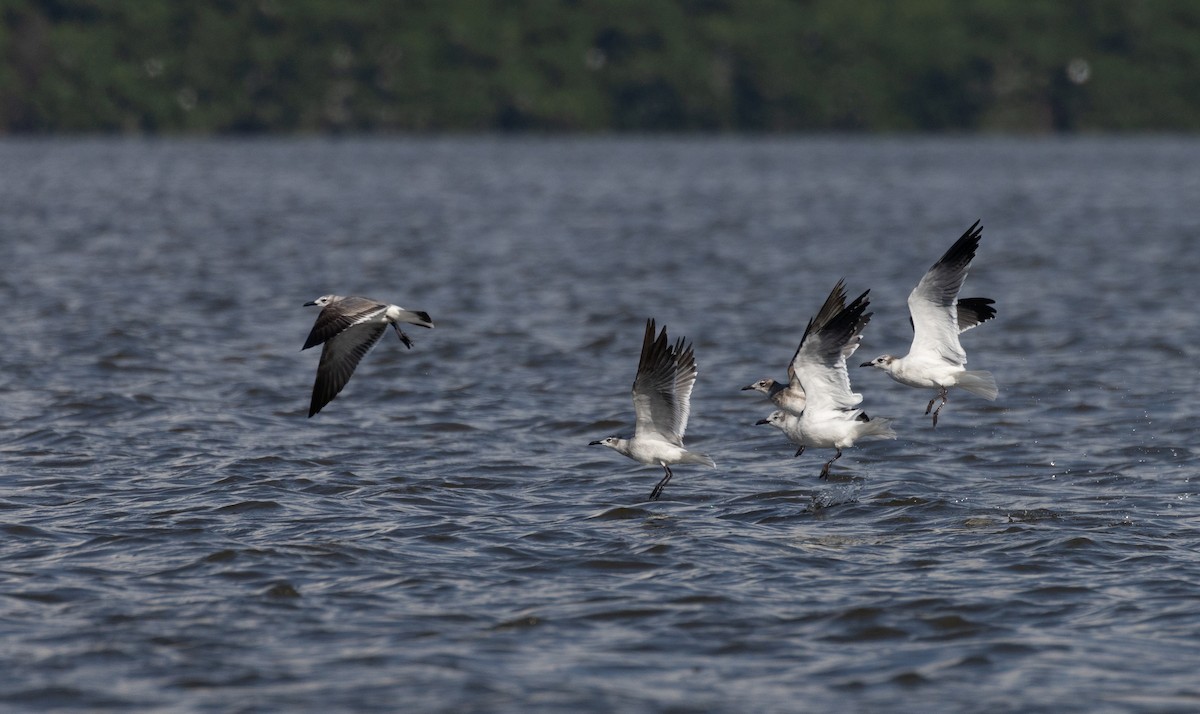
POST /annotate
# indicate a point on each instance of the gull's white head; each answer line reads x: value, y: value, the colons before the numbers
x: 322, y: 301
x: 881, y: 362
x: 762, y: 385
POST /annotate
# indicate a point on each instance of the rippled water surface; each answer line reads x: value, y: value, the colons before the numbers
x: 177, y: 535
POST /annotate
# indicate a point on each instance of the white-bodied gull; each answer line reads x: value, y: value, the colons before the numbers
x: 662, y: 393
x: 349, y: 327
x: 790, y: 397
x: 831, y: 417
x: 936, y: 358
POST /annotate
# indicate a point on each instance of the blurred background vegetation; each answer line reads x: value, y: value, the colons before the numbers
x: 202, y: 66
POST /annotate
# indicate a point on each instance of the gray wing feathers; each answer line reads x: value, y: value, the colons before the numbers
x: 833, y: 304
x: 662, y: 389
x: 821, y: 359
x: 932, y: 303
x: 823, y: 343
x: 340, y: 315
x: 339, y: 358
x: 972, y: 312
x: 943, y: 280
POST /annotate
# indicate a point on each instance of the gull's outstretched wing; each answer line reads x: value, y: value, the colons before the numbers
x: 339, y: 315
x: 662, y: 390
x: 972, y: 312
x: 339, y: 358
x: 833, y: 305
x: 933, y: 303
x: 821, y: 360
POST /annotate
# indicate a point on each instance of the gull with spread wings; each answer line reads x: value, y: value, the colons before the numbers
x: 349, y: 327
x: 790, y: 397
x: 662, y: 393
x: 831, y: 417
x: 936, y: 359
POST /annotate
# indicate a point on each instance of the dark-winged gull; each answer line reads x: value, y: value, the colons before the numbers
x: 349, y: 327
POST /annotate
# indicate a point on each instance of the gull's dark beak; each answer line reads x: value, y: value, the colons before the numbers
x: 310, y: 303
x: 748, y: 386
x: 595, y: 443
x: 760, y: 422
x: 865, y: 364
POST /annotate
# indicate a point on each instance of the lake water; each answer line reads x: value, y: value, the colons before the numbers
x: 177, y: 536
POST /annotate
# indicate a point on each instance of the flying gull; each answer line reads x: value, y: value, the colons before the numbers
x: 790, y: 397
x: 831, y: 417
x: 349, y: 327
x: 662, y: 393
x: 936, y: 358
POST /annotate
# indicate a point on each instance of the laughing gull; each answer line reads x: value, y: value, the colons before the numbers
x: 350, y: 327
x: 936, y: 358
x: 790, y: 397
x: 662, y: 393
x: 831, y: 417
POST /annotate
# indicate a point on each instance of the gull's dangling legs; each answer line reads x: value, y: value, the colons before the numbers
x: 799, y: 451
x: 825, y: 469
x: 408, y: 343
x: 941, y: 393
x: 659, y: 488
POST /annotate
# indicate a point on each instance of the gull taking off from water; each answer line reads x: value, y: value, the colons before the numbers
x: 831, y: 417
x: 662, y: 393
x: 349, y: 327
x: 936, y: 358
x: 790, y: 397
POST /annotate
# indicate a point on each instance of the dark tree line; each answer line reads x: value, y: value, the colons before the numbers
x: 204, y: 66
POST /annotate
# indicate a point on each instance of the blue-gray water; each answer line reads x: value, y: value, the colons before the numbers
x: 177, y: 536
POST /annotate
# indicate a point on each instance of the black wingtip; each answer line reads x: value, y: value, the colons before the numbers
x: 963, y: 250
x: 658, y: 350
x: 830, y: 308
x: 648, y: 339
x: 849, y: 321
x: 974, y: 311
x: 833, y: 304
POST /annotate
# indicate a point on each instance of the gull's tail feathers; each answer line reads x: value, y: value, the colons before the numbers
x: 979, y: 383
x: 691, y: 458
x: 877, y: 428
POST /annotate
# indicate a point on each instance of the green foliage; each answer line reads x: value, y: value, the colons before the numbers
x: 150, y: 66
